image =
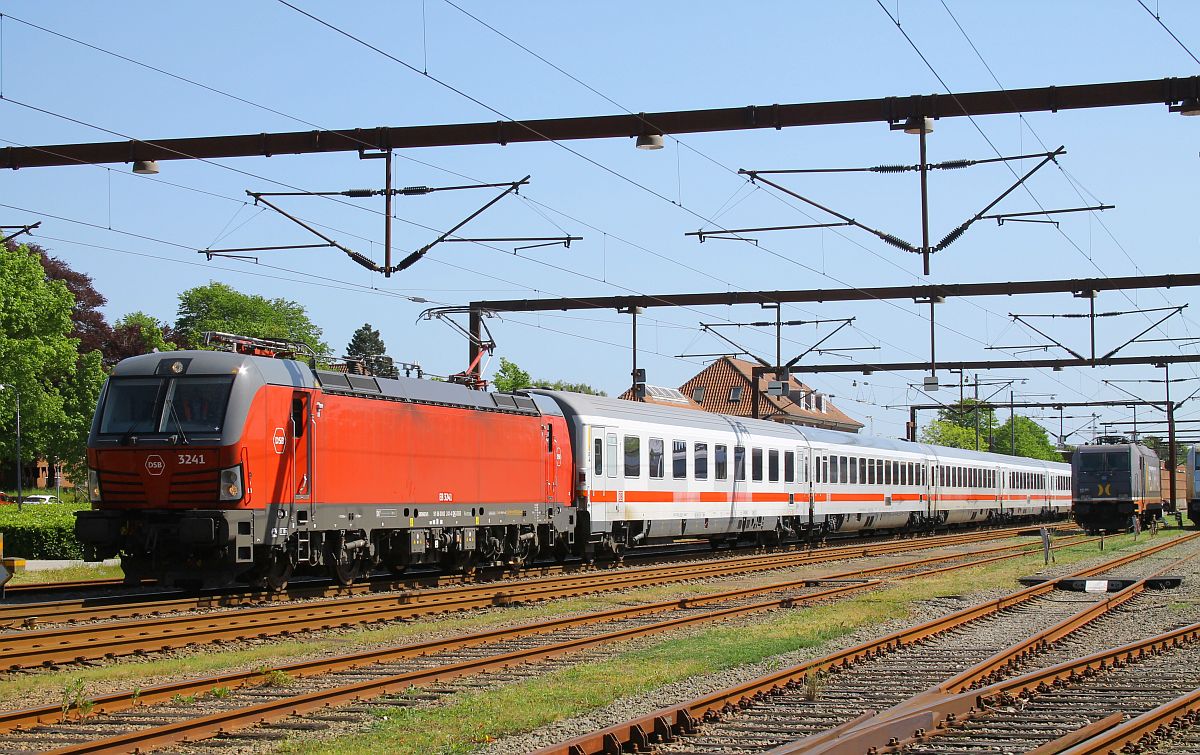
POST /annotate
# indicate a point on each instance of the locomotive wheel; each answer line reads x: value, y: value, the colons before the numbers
x: 562, y: 549
x: 274, y: 572
x: 345, y: 566
x: 136, y: 567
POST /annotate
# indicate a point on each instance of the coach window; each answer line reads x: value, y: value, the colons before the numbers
x: 679, y: 459
x: 844, y: 468
x: 756, y: 467
x: 700, y: 462
x: 852, y: 478
x: 887, y: 472
x: 599, y: 453
x: 772, y: 465
x: 739, y: 462
x: 862, y: 470
x: 611, y: 464
x: 633, y: 456
x: 789, y: 466
x: 656, y: 457
x: 832, y: 476
x: 720, y: 458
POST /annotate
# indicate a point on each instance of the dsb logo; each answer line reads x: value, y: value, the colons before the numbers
x: 155, y: 464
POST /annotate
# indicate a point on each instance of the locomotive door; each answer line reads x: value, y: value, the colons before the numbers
x: 301, y: 450
x: 553, y: 460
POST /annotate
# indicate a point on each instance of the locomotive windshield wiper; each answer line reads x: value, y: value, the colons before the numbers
x: 178, y: 424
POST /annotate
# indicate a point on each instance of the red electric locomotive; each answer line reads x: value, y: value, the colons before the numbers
x: 215, y: 466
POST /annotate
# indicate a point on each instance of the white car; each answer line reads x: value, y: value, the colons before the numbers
x: 41, y: 499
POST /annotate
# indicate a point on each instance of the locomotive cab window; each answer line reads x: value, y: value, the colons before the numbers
x: 299, y: 417
x: 165, y: 405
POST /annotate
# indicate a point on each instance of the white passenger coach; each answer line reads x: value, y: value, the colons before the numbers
x: 646, y: 472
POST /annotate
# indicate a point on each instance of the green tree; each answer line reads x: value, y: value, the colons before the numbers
x: 40, y: 360
x: 562, y: 385
x: 220, y: 307
x: 1032, y: 440
x: 366, y: 344
x: 956, y: 425
x: 139, y: 333
x: 510, y: 377
x: 1161, y: 447
x: 941, y: 432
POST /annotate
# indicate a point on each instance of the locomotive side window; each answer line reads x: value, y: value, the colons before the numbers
x: 789, y: 466
x: 633, y: 456
x: 656, y: 458
x: 679, y: 459
x: 700, y: 461
x: 720, y: 458
x: 772, y: 465
x: 599, y: 454
x: 612, y: 455
x: 299, y: 421
x: 739, y: 462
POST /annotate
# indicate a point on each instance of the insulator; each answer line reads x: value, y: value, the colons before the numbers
x: 953, y: 164
x: 359, y: 193
x: 952, y: 236
x: 892, y: 168
x: 363, y: 260
x: 412, y: 191
x: 897, y: 242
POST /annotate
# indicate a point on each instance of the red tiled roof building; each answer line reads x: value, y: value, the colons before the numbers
x: 724, y: 387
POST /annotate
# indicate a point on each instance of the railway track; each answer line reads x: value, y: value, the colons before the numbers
x: 313, y: 687
x: 99, y: 589
x: 29, y: 648
x: 878, y: 693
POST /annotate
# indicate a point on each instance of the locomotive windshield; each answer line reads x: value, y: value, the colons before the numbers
x: 165, y: 405
x: 1104, y: 461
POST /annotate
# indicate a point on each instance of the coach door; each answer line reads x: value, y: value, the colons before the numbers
x: 607, y: 499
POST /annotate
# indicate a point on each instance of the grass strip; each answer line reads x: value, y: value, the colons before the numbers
x: 470, y: 720
x: 67, y: 574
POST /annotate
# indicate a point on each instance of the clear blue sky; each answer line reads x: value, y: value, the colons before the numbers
x: 632, y: 206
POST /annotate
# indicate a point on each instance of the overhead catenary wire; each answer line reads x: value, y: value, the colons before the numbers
x: 496, y: 111
x: 981, y: 132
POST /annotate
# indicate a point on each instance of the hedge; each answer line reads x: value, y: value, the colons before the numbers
x: 41, y: 530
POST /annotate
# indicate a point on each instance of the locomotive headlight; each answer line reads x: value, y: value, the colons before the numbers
x: 231, y: 483
x: 93, y: 486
